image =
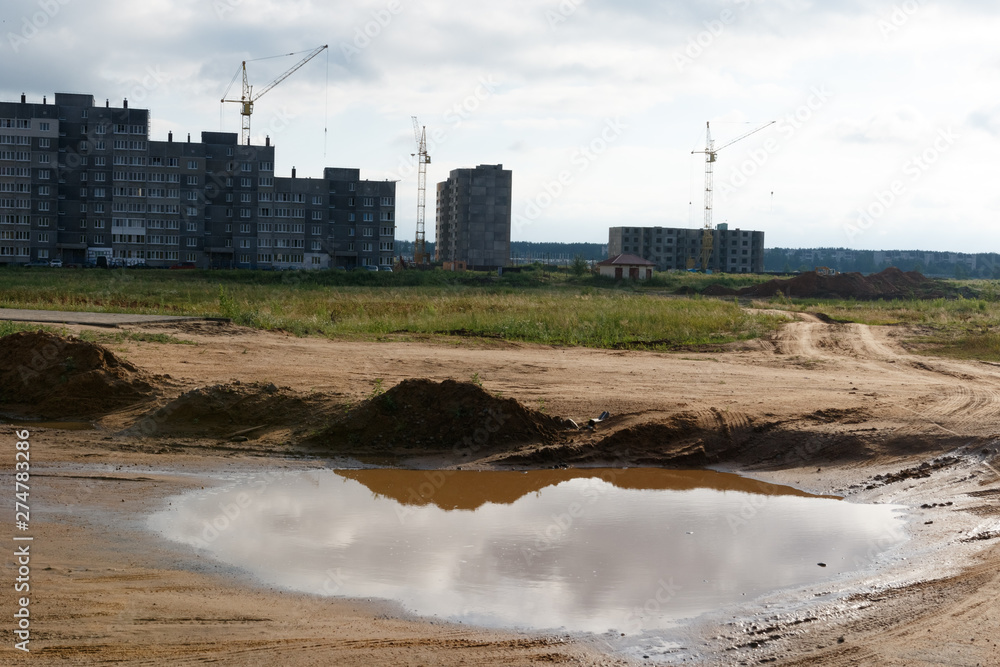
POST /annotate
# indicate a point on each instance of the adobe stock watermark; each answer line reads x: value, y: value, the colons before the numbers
x: 32, y: 24
x: 912, y: 171
x: 705, y: 38
x: 368, y: 32
x: 893, y: 22
x: 787, y: 126
x: 581, y: 160
x: 462, y: 110
x: 225, y: 7
x: 562, y: 12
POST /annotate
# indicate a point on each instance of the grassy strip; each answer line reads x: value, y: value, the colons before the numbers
x: 534, y: 306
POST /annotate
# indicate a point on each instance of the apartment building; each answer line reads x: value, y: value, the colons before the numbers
x: 473, y: 217
x: 78, y: 181
x: 733, y: 250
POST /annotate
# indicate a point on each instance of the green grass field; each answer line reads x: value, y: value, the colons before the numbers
x: 532, y: 306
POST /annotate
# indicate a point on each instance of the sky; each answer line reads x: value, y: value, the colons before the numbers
x: 886, y: 118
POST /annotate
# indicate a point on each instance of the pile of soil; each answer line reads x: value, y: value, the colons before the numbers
x: 888, y: 284
x: 53, y: 377
x: 235, y: 410
x: 421, y: 416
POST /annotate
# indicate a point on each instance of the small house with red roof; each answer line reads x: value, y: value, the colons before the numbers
x: 632, y: 267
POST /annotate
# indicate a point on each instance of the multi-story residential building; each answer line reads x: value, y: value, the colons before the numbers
x: 78, y: 181
x: 733, y: 250
x: 473, y: 217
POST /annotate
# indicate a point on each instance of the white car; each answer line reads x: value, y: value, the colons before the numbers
x: 55, y: 263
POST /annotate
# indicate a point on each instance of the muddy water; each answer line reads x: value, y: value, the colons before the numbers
x: 585, y: 550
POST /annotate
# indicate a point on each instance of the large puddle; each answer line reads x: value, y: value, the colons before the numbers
x: 585, y: 550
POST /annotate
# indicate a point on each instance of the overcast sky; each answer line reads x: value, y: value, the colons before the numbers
x: 887, y: 112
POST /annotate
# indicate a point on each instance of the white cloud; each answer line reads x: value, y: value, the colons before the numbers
x: 388, y: 60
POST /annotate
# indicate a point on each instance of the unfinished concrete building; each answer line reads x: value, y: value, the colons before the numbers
x: 733, y: 250
x: 473, y: 217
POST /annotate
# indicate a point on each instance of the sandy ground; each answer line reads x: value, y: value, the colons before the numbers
x: 823, y: 407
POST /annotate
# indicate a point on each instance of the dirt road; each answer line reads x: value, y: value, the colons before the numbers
x: 824, y: 407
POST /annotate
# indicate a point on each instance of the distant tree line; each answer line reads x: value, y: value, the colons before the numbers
x: 930, y: 263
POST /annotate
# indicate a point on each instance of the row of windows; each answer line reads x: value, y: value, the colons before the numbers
x: 17, y: 123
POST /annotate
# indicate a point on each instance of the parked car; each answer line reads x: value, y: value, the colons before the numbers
x: 55, y: 263
x: 385, y: 268
x: 184, y: 265
x: 370, y: 268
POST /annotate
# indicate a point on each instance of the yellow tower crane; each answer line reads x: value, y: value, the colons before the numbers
x: 247, y: 99
x: 420, y: 255
x: 710, y: 156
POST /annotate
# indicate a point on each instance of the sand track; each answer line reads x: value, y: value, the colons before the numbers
x: 823, y: 406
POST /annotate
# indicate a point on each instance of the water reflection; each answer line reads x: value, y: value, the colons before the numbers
x: 587, y: 550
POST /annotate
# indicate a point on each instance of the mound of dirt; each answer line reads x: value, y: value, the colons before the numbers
x: 888, y: 284
x: 232, y: 410
x: 50, y: 376
x: 425, y: 417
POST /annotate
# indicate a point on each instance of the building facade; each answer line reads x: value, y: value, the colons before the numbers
x: 473, y: 217
x: 733, y: 250
x: 79, y: 181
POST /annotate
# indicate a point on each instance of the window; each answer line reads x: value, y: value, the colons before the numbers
x: 315, y: 246
x: 44, y: 158
x: 43, y: 191
x: 267, y: 166
x: 385, y: 216
x: 350, y: 232
x: 367, y: 217
x: 192, y: 226
x: 44, y: 126
x: 317, y: 230
x: 192, y: 164
x: 368, y: 231
x: 317, y: 200
x: 245, y: 197
x: 44, y: 222
x: 98, y: 224
x: 367, y: 201
x: 44, y: 143
x: 245, y: 182
x: 366, y: 247
x: 191, y: 180
x: 43, y: 237
x: 244, y: 243
x: 317, y: 215
x: 245, y: 228
x: 386, y: 201
x: 99, y: 161
x: 192, y: 242
x: 265, y: 181
x: 229, y: 227
x: 246, y: 166
x: 43, y: 206
x: 191, y: 210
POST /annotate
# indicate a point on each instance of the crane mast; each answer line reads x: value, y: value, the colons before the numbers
x: 420, y: 255
x: 707, y: 237
x: 247, y: 98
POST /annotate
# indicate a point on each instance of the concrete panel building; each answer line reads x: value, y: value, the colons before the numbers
x: 733, y: 250
x: 473, y: 217
x: 78, y: 181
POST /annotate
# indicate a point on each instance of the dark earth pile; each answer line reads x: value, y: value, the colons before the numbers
x: 46, y: 375
x: 888, y: 284
x: 423, y: 416
x: 230, y: 410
